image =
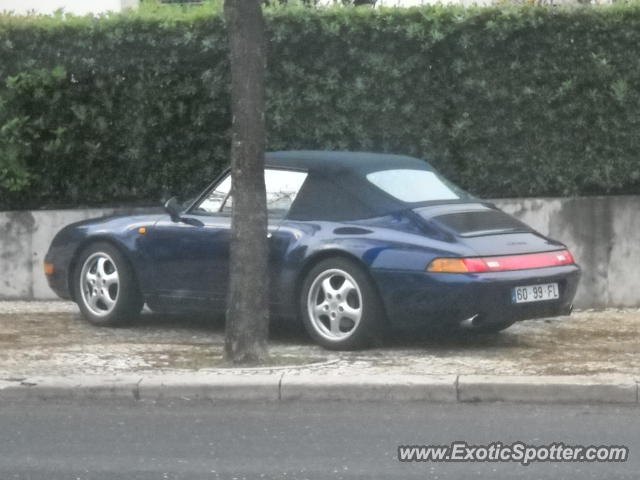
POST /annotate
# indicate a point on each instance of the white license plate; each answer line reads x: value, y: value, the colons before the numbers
x: 535, y: 293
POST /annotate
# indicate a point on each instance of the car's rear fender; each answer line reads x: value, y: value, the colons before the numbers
x: 301, y: 245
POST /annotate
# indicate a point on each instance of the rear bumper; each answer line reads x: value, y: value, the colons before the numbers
x: 417, y: 298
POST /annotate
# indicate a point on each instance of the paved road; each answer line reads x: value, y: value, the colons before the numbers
x: 295, y: 441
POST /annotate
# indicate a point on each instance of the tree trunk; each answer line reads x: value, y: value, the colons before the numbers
x: 247, y: 308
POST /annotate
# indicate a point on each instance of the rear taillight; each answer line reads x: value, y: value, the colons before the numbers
x: 501, y: 263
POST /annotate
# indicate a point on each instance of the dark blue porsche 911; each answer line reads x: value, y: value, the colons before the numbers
x: 358, y: 241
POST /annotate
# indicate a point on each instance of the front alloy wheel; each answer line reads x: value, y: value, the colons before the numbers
x: 105, y: 287
x: 99, y: 284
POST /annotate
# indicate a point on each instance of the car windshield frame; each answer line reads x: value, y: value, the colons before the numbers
x: 192, y: 209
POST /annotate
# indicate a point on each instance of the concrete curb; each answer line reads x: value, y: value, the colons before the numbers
x: 261, y: 387
x: 288, y: 387
x: 548, y: 389
x: 369, y: 388
x: 69, y: 388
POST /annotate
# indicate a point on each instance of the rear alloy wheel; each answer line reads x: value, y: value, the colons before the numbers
x: 105, y: 288
x: 340, y: 306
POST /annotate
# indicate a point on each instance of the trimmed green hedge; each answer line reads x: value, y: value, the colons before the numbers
x: 506, y: 102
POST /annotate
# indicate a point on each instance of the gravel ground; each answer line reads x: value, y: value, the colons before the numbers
x: 22, y: 307
x: 50, y: 338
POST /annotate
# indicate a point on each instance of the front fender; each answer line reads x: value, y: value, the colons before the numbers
x: 121, y: 232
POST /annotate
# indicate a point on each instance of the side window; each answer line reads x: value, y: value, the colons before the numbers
x: 282, y: 187
x: 216, y: 199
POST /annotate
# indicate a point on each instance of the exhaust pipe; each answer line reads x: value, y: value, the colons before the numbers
x: 469, y: 323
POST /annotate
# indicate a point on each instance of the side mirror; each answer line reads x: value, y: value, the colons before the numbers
x: 172, y: 207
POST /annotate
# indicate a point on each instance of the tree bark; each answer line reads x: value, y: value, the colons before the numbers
x: 247, y: 308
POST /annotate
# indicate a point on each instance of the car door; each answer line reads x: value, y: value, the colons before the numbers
x: 191, y: 257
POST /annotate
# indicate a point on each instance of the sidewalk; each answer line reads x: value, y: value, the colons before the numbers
x: 47, y: 351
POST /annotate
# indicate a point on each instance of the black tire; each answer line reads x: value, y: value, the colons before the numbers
x: 126, y: 297
x: 349, y: 334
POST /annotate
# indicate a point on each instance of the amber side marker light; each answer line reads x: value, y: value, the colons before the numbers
x: 49, y: 269
x: 503, y: 263
x: 142, y: 230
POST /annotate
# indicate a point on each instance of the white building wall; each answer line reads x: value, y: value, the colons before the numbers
x: 77, y: 7
x: 82, y: 7
x: 417, y: 3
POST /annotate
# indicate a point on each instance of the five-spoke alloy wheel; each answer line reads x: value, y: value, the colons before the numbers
x: 99, y: 284
x: 335, y: 304
x: 340, y: 306
x: 105, y: 288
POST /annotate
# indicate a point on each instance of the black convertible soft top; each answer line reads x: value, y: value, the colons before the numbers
x: 327, y: 162
x: 337, y: 189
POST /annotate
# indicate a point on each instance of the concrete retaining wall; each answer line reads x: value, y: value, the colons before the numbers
x: 24, y: 240
x: 602, y: 232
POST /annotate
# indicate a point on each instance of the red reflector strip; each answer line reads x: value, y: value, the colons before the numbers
x: 519, y: 262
